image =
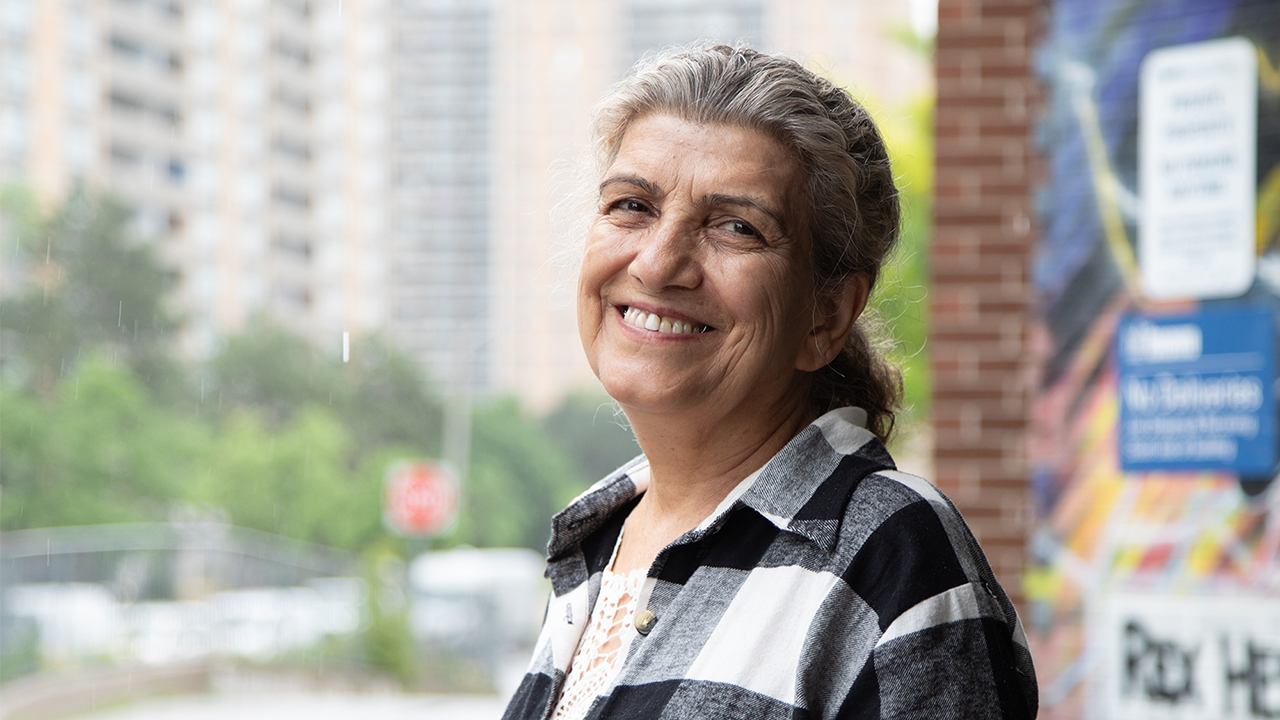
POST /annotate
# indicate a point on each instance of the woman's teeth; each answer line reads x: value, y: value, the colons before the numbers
x: 650, y: 321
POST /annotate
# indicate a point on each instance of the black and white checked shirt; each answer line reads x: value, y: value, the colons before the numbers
x: 826, y: 585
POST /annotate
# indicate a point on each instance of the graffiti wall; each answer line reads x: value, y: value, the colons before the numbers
x: 1151, y: 593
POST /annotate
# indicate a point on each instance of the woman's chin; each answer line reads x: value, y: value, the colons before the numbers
x: 645, y: 397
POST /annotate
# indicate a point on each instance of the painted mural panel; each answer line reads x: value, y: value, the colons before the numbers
x: 1152, y: 594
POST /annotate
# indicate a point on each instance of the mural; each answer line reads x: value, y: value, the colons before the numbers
x: 1101, y: 534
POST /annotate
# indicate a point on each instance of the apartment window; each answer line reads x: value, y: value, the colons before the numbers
x: 297, y: 246
x: 300, y: 9
x: 293, y: 53
x: 17, y: 16
x: 294, y: 196
x: 292, y: 148
x: 137, y: 51
x: 296, y: 295
x: 167, y: 8
x: 296, y: 101
x: 124, y: 101
x: 123, y: 157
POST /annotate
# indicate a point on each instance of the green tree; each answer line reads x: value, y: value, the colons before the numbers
x: 305, y: 438
x: 295, y: 480
x: 86, y: 284
x: 95, y: 451
x: 272, y: 371
x: 381, y: 396
x: 518, y: 479
x: 101, y: 451
x: 386, y: 641
x: 591, y: 429
x: 901, y: 298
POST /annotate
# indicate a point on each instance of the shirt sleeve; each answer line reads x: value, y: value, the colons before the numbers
x: 949, y: 642
x: 959, y: 669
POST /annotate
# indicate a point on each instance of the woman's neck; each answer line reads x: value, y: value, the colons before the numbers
x: 693, y: 464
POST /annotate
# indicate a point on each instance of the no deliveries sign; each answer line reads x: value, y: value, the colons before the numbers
x: 419, y: 498
x: 1197, y: 390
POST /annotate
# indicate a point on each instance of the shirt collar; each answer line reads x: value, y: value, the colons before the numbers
x: 777, y: 491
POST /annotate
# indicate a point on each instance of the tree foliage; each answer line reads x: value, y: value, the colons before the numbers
x: 94, y: 450
x: 519, y: 478
x: 381, y: 396
x: 901, y: 298
x: 101, y: 424
x: 295, y: 480
x: 86, y: 286
x: 595, y: 433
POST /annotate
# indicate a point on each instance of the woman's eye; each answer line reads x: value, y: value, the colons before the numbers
x: 741, y: 228
x: 629, y: 205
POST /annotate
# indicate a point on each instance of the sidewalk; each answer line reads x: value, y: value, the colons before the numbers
x: 308, y: 706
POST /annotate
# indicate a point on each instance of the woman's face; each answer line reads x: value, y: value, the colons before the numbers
x: 696, y: 287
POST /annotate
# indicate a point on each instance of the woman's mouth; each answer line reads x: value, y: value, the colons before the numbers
x: 652, y: 321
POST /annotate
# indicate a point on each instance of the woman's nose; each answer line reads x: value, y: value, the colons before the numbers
x: 666, y: 256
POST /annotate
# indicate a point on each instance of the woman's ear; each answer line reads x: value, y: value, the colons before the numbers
x: 835, y: 310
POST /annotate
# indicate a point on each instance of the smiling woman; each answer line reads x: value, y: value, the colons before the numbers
x: 691, y: 230
x: 763, y: 558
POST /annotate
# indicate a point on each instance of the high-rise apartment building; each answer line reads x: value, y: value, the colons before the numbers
x: 53, y: 106
x: 250, y: 136
x: 290, y: 178
x: 442, y: 116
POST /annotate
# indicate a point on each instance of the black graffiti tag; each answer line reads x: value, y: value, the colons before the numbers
x: 1162, y: 670
x: 1258, y: 672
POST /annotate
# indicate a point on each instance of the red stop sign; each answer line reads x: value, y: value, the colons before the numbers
x: 420, y: 498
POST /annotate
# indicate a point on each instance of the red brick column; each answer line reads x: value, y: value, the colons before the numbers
x: 986, y: 171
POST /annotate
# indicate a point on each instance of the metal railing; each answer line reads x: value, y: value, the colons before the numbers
x: 163, y: 593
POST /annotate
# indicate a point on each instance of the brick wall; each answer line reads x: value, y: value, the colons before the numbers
x: 981, y: 294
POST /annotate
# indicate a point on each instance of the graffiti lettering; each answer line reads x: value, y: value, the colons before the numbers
x: 1257, y: 674
x: 1162, y: 670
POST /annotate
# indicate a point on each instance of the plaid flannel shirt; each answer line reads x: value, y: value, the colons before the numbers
x: 826, y: 585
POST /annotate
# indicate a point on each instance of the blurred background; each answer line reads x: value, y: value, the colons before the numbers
x: 290, y: 383
x: 256, y: 256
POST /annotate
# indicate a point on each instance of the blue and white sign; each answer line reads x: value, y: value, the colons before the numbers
x: 1196, y: 391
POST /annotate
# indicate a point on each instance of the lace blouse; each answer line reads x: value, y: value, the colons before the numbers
x: 604, y: 643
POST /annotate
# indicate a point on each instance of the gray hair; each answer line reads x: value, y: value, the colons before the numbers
x: 853, y: 203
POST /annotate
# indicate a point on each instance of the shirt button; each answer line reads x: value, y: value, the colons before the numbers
x: 645, y: 620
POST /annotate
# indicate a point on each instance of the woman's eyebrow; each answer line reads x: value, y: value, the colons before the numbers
x: 744, y: 201
x: 636, y: 180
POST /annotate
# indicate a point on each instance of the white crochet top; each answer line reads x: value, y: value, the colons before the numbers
x: 604, y: 643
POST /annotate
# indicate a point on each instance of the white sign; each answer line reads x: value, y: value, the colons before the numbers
x: 1197, y: 160
x: 1187, y: 658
